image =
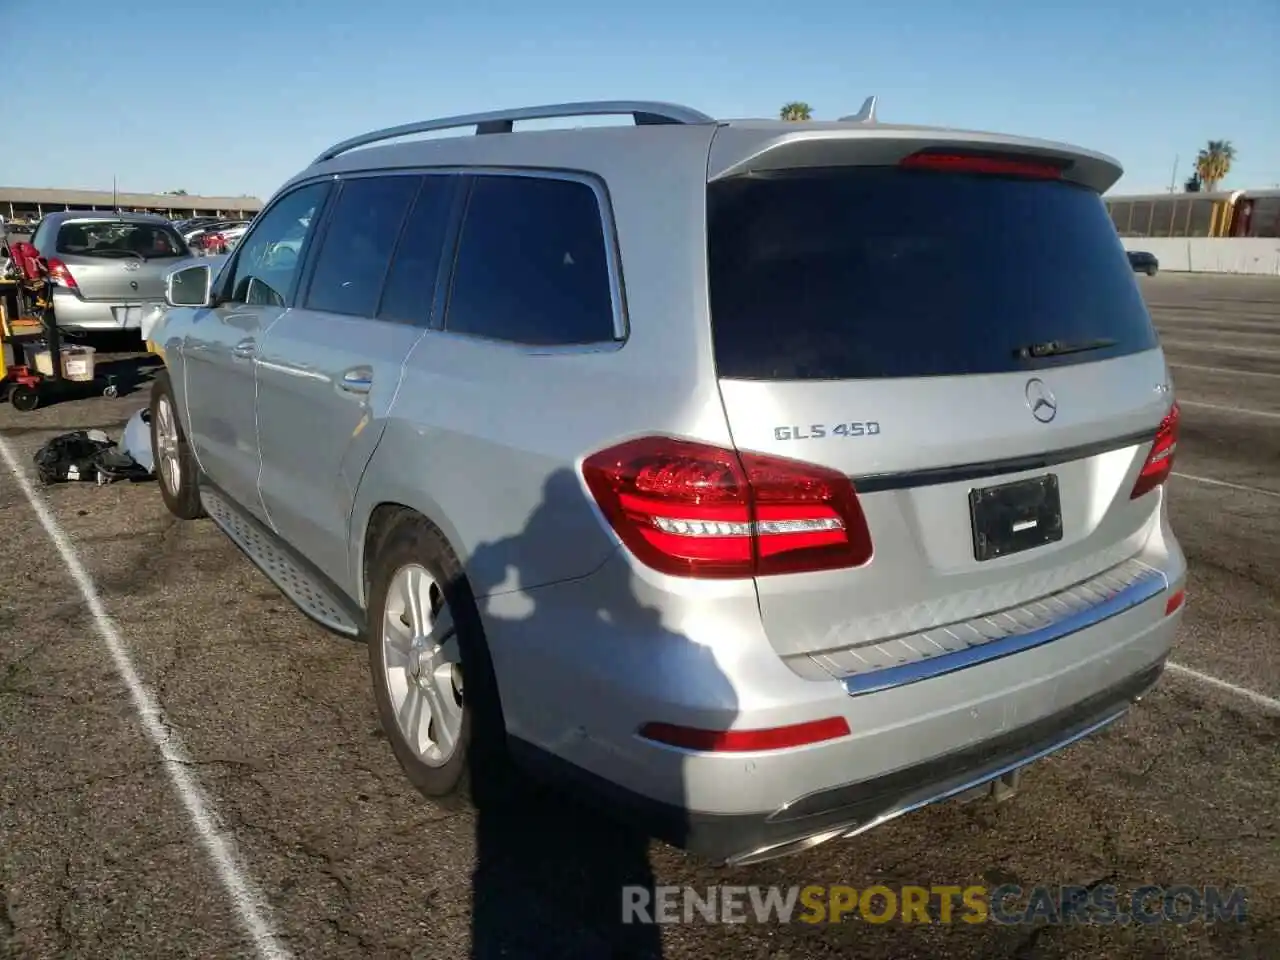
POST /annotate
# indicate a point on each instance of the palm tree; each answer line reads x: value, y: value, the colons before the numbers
x: 1214, y: 162
x: 796, y: 110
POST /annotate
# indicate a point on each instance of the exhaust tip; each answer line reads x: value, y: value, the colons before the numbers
x: 787, y: 847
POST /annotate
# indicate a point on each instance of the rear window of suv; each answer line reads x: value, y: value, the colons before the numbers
x: 115, y: 239
x: 874, y: 272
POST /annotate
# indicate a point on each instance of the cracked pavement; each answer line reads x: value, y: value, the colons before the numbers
x: 101, y: 861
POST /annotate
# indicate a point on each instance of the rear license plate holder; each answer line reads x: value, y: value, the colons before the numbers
x: 127, y: 314
x: 1013, y: 517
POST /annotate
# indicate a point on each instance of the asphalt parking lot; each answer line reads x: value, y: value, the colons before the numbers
x: 112, y: 850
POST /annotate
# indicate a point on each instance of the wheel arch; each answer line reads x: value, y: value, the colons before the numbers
x: 375, y: 515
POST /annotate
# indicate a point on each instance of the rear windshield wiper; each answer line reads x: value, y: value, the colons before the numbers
x: 1058, y: 348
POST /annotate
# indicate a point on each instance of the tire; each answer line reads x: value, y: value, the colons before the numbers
x: 413, y: 553
x: 179, y: 488
x: 1151, y: 271
x: 23, y: 398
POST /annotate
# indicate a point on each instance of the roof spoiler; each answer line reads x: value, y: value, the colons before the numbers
x: 738, y: 151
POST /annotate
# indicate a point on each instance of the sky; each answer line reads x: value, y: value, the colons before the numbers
x: 233, y: 97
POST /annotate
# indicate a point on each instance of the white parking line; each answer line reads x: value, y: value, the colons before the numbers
x: 251, y: 909
x: 1218, y: 406
x: 1225, y: 483
x: 1212, y: 347
x: 1260, y: 699
x: 1209, y: 322
x: 1231, y: 370
x: 1209, y: 334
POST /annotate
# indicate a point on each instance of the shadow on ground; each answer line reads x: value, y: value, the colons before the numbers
x: 552, y: 864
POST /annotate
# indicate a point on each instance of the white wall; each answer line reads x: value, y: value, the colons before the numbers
x: 1212, y: 255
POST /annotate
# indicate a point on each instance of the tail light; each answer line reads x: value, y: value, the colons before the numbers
x: 695, y: 510
x: 60, y: 275
x: 1160, y: 461
x: 1008, y: 166
x: 743, y: 741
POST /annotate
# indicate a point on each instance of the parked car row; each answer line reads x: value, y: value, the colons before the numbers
x: 210, y: 236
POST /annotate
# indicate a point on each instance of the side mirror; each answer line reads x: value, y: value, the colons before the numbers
x: 190, y: 287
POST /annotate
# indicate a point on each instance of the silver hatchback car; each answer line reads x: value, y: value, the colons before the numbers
x: 769, y: 479
x: 108, y: 269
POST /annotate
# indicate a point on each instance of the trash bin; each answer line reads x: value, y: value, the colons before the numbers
x: 77, y: 362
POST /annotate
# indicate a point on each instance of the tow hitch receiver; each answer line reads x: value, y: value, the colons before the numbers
x: 1002, y: 788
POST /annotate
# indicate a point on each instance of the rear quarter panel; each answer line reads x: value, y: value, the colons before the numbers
x: 486, y: 439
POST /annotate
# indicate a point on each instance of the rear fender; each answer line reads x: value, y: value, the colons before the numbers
x: 387, y: 481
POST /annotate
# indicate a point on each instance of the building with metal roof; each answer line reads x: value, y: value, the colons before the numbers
x: 20, y: 205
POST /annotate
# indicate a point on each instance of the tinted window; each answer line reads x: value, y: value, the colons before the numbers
x: 118, y: 239
x: 1162, y: 218
x: 877, y: 272
x: 1140, y: 219
x: 1264, y: 221
x: 41, y: 236
x: 531, y: 264
x: 1201, y: 218
x: 269, y: 257
x: 357, y: 244
x: 410, y: 288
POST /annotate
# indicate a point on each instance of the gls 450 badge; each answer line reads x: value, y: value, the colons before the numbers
x: 815, y: 431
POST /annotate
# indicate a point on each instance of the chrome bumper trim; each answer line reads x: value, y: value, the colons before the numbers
x: 1148, y: 583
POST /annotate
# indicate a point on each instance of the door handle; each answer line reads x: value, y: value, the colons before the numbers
x: 357, y: 380
x: 246, y: 349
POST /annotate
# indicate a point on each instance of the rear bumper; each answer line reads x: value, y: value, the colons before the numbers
x: 585, y: 684
x: 74, y: 313
x: 853, y: 808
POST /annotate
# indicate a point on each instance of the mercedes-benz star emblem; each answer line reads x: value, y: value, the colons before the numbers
x: 1041, y: 401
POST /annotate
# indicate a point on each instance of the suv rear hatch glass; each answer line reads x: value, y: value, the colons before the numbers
x: 879, y: 272
x: 930, y: 333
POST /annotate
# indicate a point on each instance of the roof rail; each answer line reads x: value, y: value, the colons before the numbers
x: 644, y: 112
x: 866, y: 114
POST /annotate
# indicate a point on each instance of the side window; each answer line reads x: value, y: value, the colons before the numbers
x: 411, y: 284
x: 41, y: 235
x: 358, y: 239
x: 268, y: 260
x: 532, y: 266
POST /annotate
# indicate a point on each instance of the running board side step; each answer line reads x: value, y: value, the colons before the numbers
x: 294, y: 577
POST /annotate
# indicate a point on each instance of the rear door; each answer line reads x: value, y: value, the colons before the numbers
x: 932, y: 331
x: 119, y: 260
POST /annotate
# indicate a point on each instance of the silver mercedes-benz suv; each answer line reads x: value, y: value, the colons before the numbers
x: 771, y: 479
